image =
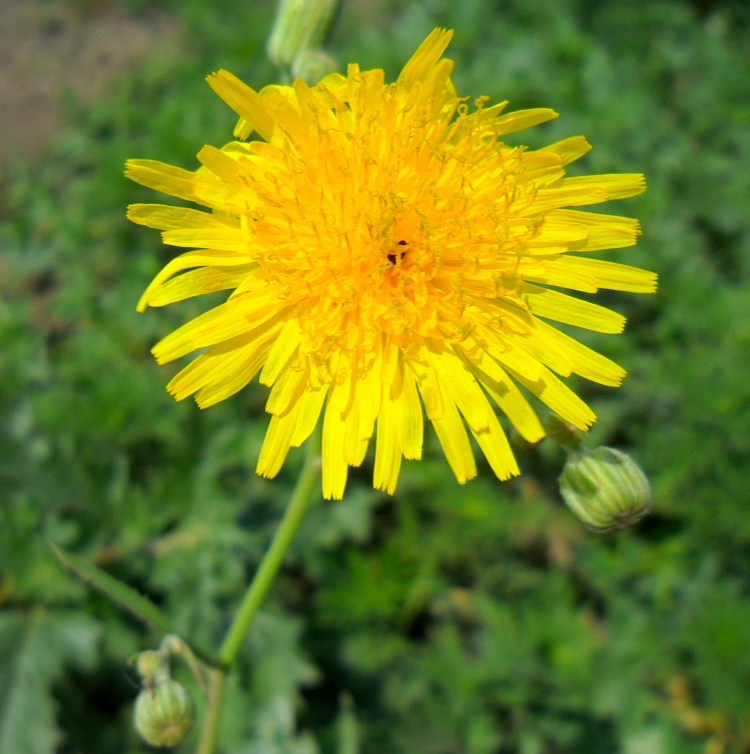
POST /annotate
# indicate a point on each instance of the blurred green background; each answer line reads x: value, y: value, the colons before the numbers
x: 481, y: 619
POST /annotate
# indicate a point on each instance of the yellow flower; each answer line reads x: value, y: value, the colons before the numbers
x: 387, y: 250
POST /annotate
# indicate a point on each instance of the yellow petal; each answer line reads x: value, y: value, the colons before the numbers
x: 241, y: 356
x: 198, y: 282
x: 165, y: 217
x: 583, y: 361
x: 355, y: 446
x: 603, y: 274
x: 387, y: 447
x: 412, y: 420
x: 201, y: 258
x: 604, y: 231
x: 232, y: 377
x: 572, y: 311
x: 369, y: 396
x: 455, y: 442
x: 334, y: 466
x: 428, y: 384
x: 461, y: 388
x: 180, y: 183
x: 220, y: 239
x: 617, y: 185
x: 426, y: 56
x: 246, y: 102
x: 277, y: 442
x: 520, y: 119
x: 287, y: 389
x: 494, y: 444
x: 570, y: 149
x: 501, y: 388
x: 283, y: 349
x: 560, y: 398
x: 311, y: 403
x: 236, y: 317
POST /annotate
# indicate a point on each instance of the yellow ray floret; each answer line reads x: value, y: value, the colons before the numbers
x: 389, y: 257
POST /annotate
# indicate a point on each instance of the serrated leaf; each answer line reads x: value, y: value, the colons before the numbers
x: 34, y: 647
x: 118, y: 592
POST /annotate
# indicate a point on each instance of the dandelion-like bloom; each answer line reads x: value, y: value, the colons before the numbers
x: 387, y: 250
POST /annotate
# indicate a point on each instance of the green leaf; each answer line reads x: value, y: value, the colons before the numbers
x: 34, y: 647
x: 118, y: 592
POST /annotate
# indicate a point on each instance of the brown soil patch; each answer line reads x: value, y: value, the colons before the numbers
x: 48, y: 47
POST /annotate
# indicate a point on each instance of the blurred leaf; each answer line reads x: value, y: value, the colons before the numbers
x: 120, y: 593
x: 348, y: 730
x: 34, y: 647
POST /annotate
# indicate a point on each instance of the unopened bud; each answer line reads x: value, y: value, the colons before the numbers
x: 312, y: 65
x: 150, y: 666
x: 164, y: 714
x: 605, y: 488
x: 299, y: 25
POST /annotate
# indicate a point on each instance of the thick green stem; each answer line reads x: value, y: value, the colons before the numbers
x: 258, y: 589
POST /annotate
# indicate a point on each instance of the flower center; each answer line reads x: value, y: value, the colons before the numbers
x: 391, y: 226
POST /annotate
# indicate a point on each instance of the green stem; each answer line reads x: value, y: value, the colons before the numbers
x: 258, y: 589
x: 211, y: 715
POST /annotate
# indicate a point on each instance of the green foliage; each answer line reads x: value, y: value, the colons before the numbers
x: 478, y: 619
x: 115, y: 590
x: 34, y: 645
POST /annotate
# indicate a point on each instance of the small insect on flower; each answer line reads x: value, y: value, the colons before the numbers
x: 389, y: 255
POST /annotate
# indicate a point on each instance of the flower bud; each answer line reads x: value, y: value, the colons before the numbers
x: 164, y: 714
x: 312, y: 65
x: 150, y: 666
x: 605, y: 488
x: 299, y: 25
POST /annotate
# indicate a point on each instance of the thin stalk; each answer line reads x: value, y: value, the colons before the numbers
x: 258, y: 589
x: 212, y: 713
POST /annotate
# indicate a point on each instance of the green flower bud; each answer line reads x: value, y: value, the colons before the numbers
x: 164, y: 714
x: 312, y: 65
x: 605, y: 488
x: 299, y: 25
x: 150, y: 666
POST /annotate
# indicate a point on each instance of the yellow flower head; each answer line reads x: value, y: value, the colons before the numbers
x: 388, y: 251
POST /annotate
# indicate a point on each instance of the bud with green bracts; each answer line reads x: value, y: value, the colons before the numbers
x: 605, y: 488
x: 299, y: 25
x: 164, y: 714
